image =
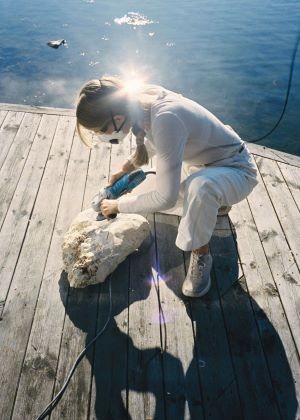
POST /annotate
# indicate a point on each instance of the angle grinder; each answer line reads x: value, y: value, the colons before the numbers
x: 122, y: 186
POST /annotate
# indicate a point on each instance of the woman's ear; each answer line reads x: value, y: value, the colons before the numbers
x: 119, y: 119
x: 122, y: 121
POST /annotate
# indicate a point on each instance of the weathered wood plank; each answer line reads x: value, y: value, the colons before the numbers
x: 283, y: 203
x: 79, y: 329
x: 145, y: 374
x: 97, y: 176
x: 22, y: 297
x: 40, y: 363
x: 2, y: 116
x: 81, y: 307
x: 284, y: 269
x: 115, y: 402
x: 291, y: 175
x: 278, y: 344
x: 37, y: 109
x: 273, y: 154
x: 251, y: 371
x: 145, y: 390
x: 212, y: 354
x: 182, y: 388
x: 15, y: 161
x: 14, y: 227
x: 8, y: 131
x: 110, y: 357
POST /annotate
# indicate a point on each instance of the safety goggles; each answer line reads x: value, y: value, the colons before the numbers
x: 112, y: 120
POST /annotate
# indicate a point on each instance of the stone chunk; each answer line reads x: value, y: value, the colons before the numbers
x: 93, y: 249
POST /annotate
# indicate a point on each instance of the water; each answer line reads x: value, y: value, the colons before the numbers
x: 232, y: 56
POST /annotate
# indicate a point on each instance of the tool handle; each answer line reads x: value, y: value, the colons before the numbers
x: 126, y: 183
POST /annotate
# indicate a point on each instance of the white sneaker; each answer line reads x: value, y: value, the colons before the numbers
x: 197, y: 282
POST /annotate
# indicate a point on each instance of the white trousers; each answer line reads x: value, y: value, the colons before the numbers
x: 205, y: 192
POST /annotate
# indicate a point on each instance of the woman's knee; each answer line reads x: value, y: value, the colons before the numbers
x: 200, y: 186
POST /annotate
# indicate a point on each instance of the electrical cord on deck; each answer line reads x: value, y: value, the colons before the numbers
x: 287, y: 93
x: 58, y: 396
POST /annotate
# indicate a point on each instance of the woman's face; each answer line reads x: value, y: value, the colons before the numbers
x: 115, y: 130
x: 114, y: 125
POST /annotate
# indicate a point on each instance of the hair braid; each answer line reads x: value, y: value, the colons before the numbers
x: 140, y: 156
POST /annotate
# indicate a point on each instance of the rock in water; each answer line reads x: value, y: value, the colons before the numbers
x: 57, y: 43
x: 93, y: 249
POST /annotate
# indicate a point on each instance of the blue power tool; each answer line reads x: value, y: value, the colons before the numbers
x: 122, y: 186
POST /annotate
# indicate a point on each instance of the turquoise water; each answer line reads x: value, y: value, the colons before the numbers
x: 231, y: 56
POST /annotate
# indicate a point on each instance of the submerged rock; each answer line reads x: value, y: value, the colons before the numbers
x: 93, y: 249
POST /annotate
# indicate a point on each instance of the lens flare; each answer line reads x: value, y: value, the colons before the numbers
x: 133, y: 85
x: 133, y: 79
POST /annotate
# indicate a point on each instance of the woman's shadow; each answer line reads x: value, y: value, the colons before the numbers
x: 119, y: 365
x: 243, y: 369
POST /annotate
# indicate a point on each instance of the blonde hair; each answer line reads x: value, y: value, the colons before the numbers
x: 101, y: 98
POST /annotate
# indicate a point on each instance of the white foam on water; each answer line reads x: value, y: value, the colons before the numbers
x: 93, y: 63
x: 135, y: 19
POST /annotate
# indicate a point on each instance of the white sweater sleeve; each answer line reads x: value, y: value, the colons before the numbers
x: 169, y: 135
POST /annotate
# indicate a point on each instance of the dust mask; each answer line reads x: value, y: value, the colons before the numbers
x: 115, y: 138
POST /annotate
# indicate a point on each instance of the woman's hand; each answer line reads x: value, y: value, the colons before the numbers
x: 126, y: 168
x: 109, y: 207
x: 115, y: 176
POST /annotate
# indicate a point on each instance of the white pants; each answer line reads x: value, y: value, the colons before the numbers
x: 203, y: 191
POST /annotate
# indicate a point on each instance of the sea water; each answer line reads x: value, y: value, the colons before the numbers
x: 232, y: 56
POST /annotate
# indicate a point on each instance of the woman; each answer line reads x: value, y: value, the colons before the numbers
x: 186, y: 138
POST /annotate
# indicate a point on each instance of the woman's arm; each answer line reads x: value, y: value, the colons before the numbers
x: 170, y: 138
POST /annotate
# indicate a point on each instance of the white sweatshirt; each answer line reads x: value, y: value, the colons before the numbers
x: 182, y: 131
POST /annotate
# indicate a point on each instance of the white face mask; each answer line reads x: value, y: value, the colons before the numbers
x: 114, y: 138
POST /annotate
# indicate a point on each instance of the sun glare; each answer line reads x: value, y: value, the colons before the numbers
x: 133, y: 85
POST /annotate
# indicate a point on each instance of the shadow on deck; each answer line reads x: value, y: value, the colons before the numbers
x: 233, y: 354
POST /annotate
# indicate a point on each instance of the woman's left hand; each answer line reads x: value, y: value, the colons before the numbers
x: 109, y: 207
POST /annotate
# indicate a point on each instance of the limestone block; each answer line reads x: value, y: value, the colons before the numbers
x: 93, y: 249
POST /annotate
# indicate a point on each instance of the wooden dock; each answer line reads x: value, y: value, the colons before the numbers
x: 233, y: 354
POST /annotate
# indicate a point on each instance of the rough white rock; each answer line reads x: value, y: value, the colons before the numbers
x: 93, y: 249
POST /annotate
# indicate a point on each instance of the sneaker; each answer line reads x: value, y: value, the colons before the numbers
x: 197, y: 282
x: 224, y: 210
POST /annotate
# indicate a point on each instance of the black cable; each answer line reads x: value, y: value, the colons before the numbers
x: 50, y: 407
x: 59, y: 395
x: 287, y: 92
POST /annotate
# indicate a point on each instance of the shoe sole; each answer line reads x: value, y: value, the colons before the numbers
x: 195, y: 294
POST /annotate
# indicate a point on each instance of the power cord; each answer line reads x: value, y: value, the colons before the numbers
x: 287, y: 92
x: 50, y: 407
x: 59, y: 395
